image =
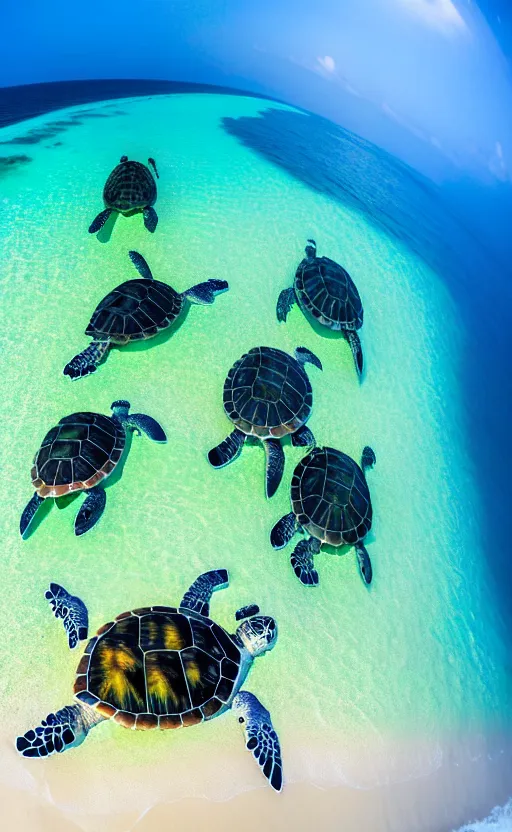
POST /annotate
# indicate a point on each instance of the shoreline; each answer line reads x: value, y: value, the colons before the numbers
x: 443, y: 801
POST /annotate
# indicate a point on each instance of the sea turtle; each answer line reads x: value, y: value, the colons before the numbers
x: 325, y: 290
x: 267, y: 394
x: 162, y: 667
x: 330, y: 501
x: 136, y: 310
x: 78, y: 454
x: 130, y: 188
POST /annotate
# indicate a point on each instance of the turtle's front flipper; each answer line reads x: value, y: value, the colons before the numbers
x: 153, y: 165
x: 204, y: 293
x: 260, y: 737
x: 87, y: 361
x: 29, y: 512
x: 65, y: 729
x: 228, y: 450
x: 302, y: 561
x: 275, y: 465
x: 355, y: 345
x: 365, y: 564
x: 72, y: 611
x: 140, y: 422
x: 150, y: 218
x: 284, y: 303
x: 99, y: 221
x: 284, y: 530
x: 141, y: 265
x: 303, y: 355
x: 303, y: 437
x: 197, y: 598
x: 91, y: 510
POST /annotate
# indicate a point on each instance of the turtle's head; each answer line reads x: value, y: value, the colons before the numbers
x: 311, y: 250
x: 258, y: 634
x: 120, y: 408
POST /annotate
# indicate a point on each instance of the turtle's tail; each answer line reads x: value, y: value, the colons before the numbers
x: 64, y: 729
x: 87, y: 361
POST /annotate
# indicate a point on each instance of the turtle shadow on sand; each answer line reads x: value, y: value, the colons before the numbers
x: 322, y: 330
x: 105, y: 233
x: 161, y: 338
x: 41, y: 515
x: 346, y: 548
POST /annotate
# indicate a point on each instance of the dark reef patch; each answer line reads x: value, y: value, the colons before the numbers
x: 53, y: 128
x: 8, y: 163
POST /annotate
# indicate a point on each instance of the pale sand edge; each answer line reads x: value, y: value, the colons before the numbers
x: 440, y: 802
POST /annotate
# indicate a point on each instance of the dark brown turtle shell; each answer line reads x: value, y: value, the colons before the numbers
x: 330, y: 497
x: 135, y: 310
x: 77, y: 454
x: 326, y: 290
x: 159, y: 667
x: 267, y: 393
x: 130, y: 187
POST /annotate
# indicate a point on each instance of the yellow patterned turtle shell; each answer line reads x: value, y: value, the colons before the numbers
x: 159, y: 667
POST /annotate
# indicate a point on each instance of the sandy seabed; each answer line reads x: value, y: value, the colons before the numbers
x: 420, y: 656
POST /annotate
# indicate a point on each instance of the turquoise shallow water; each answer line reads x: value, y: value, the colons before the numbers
x: 364, y: 687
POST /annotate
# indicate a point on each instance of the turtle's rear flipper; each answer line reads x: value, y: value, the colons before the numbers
x: 29, y: 512
x: 72, y: 611
x: 275, y: 465
x: 302, y: 561
x: 99, y: 221
x: 150, y: 218
x: 283, y: 531
x: 303, y: 437
x: 197, y: 598
x: 355, y: 345
x: 260, y: 736
x: 368, y: 458
x: 284, y: 303
x: 365, y: 564
x: 65, y: 729
x: 87, y: 361
x: 146, y: 424
x: 204, y: 293
x: 91, y: 510
x: 228, y: 450
x: 152, y: 162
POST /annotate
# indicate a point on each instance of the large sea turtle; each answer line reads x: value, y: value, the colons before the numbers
x: 129, y: 189
x: 267, y: 394
x: 136, y: 310
x: 325, y: 290
x: 78, y: 454
x: 162, y: 667
x: 331, y: 501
